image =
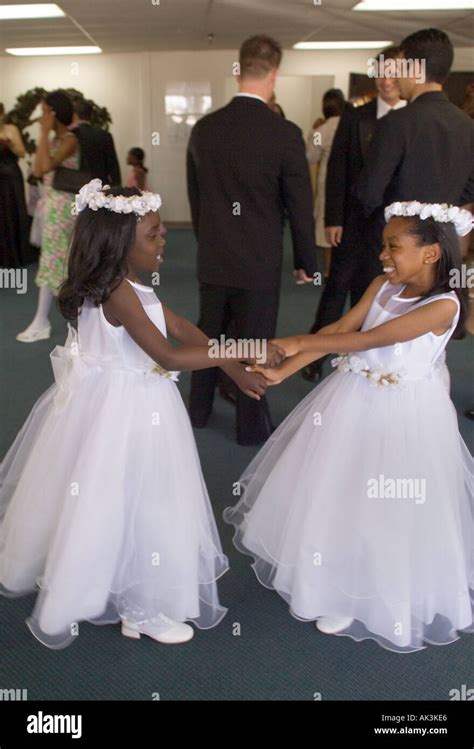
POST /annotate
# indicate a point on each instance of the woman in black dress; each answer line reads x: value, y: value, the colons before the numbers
x: 14, y: 224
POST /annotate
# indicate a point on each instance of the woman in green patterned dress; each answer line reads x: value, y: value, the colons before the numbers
x: 59, y: 222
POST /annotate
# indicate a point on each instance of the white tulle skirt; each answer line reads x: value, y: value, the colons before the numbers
x: 105, y: 509
x: 335, y: 534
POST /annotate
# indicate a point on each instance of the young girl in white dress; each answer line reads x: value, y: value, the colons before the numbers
x: 103, y: 505
x: 358, y: 510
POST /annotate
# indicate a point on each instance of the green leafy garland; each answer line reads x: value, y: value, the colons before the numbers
x: 26, y: 104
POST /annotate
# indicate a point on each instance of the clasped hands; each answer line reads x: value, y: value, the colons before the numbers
x: 255, y: 377
x: 282, y: 349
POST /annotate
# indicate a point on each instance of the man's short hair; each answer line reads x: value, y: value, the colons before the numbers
x: 435, y: 48
x: 389, y: 53
x: 258, y: 55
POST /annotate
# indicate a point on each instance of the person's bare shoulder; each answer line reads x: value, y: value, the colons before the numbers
x: 122, y: 298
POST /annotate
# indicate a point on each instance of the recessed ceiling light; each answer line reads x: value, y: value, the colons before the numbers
x: 341, y: 45
x: 27, y: 51
x: 42, y: 10
x: 394, y: 5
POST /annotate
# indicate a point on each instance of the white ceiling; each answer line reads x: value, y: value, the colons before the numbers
x: 138, y: 25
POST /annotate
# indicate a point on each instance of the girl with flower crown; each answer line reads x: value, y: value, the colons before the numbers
x: 103, y: 505
x: 358, y: 510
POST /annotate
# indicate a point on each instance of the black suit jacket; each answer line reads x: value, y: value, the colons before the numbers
x: 348, y: 154
x: 97, y: 153
x: 245, y: 166
x: 424, y: 152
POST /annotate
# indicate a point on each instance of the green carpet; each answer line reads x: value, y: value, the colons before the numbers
x: 274, y: 656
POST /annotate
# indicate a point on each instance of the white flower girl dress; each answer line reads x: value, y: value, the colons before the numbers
x: 359, y: 506
x: 103, y: 505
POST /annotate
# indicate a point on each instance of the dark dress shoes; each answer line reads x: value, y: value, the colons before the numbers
x: 312, y: 372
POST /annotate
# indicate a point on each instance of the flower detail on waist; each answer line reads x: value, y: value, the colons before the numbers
x: 157, y: 369
x: 70, y: 366
x: 357, y: 365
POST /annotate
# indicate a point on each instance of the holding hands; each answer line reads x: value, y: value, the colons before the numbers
x: 251, y: 383
x: 271, y: 376
x: 292, y: 363
x: 289, y: 345
x: 276, y: 355
x: 253, y: 380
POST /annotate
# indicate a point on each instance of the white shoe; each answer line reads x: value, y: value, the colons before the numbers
x: 160, y: 628
x: 30, y: 335
x: 331, y: 625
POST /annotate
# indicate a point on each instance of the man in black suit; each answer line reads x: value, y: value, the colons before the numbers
x: 354, y: 261
x: 97, y: 149
x: 424, y: 152
x: 245, y: 166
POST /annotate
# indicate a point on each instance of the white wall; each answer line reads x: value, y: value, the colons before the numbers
x: 132, y: 86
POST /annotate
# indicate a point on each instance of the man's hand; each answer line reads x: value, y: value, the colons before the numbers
x: 333, y: 235
x: 252, y: 384
x: 302, y: 277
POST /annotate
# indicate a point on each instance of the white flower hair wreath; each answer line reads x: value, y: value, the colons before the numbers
x: 92, y: 196
x: 460, y: 217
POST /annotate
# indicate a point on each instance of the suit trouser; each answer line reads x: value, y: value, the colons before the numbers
x: 251, y: 314
x: 354, y: 265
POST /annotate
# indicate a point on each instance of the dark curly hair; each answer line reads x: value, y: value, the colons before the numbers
x: 62, y: 105
x: 428, y: 231
x: 98, y: 253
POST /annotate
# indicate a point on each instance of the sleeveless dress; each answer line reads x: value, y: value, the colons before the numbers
x: 360, y: 504
x: 103, y: 501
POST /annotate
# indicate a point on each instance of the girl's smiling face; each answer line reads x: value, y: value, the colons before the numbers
x: 148, y: 251
x: 403, y: 260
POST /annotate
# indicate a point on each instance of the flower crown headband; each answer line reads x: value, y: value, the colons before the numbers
x: 92, y: 196
x: 460, y: 217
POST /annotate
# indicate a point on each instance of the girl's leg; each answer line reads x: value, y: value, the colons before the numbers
x: 40, y: 327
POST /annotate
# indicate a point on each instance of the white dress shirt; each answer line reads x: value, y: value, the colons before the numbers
x: 383, y: 108
x: 252, y: 96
